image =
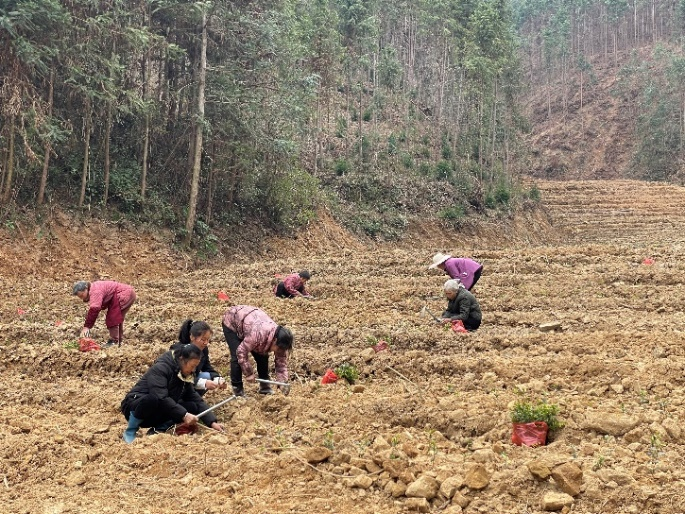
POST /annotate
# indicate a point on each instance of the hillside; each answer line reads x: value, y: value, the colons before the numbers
x: 599, y: 140
x: 430, y: 413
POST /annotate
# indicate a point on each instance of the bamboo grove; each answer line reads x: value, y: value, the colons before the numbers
x: 189, y: 113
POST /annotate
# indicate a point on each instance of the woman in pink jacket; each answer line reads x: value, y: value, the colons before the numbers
x: 249, y: 330
x: 467, y: 271
x: 114, y: 297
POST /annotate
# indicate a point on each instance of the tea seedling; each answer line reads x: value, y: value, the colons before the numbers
x: 348, y: 372
x: 525, y: 411
x: 328, y: 441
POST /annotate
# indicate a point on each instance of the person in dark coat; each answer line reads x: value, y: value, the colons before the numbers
x: 462, y: 305
x: 165, y: 395
x: 199, y: 333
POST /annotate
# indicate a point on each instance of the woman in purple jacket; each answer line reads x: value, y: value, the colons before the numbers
x: 249, y: 330
x: 114, y: 297
x: 467, y: 271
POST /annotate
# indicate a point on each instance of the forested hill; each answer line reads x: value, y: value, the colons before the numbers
x: 196, y: 115
x: 607, y: 88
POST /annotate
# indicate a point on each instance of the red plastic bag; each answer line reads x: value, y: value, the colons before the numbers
x: 382, y: 345
x: 648, y: 261
x: 186, y: 429
x: 85, y: 344
x: 458, y: 326
x: 330, y: 377
x: 222, y: 296
x: 529, y: 434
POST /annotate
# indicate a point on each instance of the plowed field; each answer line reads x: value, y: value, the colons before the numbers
x: 426, y: 427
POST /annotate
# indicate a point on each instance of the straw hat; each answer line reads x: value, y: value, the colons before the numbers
x: 438, y: 259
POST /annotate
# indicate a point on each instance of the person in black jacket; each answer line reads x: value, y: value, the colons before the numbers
x: 461, y: 304
x: 166, y: 395
x: 199, y: 333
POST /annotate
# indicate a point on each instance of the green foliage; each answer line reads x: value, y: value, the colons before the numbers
x: 526, y: 411
x: 455, y: 214
x: 392, y: 145
x: 348, y: 372
x: 293, y: 198
x: 342, y: 167
x: 534, y: 194
x: 443, y: 170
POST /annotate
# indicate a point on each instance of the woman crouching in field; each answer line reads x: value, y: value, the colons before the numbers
x: 165, y: 395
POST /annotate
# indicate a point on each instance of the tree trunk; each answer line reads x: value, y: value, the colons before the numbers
x: 108, y: 134
x: 48, y: 146
x: 10, y: 163
x: 86, y: 152
x: 199, y: 122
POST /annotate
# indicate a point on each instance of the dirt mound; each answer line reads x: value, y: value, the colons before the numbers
x: 426, y: 426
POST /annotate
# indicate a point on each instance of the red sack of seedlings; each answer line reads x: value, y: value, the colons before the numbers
x: 85, y: 344
x: 330, y: 377
x: 185, y: 428
x: 529, y: 434
x: 458, y: 326
x: 382, y: 345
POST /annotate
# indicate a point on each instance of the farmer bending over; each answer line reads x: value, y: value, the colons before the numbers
x: 165, y: 395
x: 248, y: 330
x: 293, y: 285
x: 462, y: 305
x: 466, y: 270
x: 115, y: 297
x: 199, y: 333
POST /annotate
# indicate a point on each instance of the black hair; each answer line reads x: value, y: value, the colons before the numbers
x: 305, y: 274
x: 188, y: 352
x: 192, y: 328
x: 284, y: 338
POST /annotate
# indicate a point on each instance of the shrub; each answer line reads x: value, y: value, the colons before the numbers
x: 342, y: 167
x: 525, y: 411
x: 348, y: 372
x: 454, y: 213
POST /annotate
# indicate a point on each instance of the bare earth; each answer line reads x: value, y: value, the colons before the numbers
x: 428, y: 417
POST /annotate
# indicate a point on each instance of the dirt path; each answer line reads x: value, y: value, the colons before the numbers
x: 430, y: 413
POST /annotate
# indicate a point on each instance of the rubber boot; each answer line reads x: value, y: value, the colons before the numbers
x: 265, y: 389
x: 133, y: 426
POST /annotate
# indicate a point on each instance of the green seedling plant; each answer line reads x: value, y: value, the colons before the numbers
x: 525, y: 411
x: 328, y: 440
x: 348, y: 372
x: 71, y: 345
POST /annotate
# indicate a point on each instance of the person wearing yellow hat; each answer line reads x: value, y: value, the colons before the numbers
x: 466, y: 270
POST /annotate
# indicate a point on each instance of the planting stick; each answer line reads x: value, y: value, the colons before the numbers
x: 402, y: 376
x: 216, y: 406
x: 425, y: 309
x: 284, y: 385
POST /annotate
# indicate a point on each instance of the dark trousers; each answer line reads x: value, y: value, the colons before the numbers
x: 472, y: 324
x: 233, y: 341
x: 152, y: 411
x: 476, y: 276
x: 282, y: 292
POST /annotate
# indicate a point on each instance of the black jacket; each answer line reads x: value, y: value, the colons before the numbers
x: 162, y: 380
x: 204, y: 365
x: 466, y: 308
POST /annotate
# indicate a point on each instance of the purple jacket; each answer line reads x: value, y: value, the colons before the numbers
x: 463, y: 269
x: 256, y: 330
x: 110, y: 295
